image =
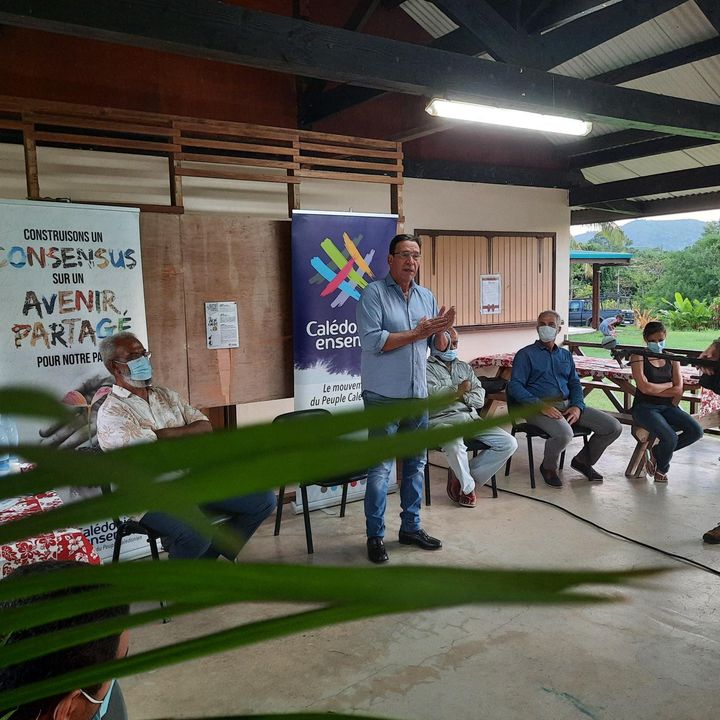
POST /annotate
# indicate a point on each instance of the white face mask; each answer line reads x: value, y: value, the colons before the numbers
x: 547, y: 333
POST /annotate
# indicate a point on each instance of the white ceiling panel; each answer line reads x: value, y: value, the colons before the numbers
x: 667, y: 162
x: 692, y: 82
x: 705, y: 155
x: 429, y: 17
x: 608, y: 173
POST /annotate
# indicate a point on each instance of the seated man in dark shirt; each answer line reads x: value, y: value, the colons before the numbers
x: 544, y: 374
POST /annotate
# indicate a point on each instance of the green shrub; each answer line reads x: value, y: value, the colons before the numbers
x: 686, y: 314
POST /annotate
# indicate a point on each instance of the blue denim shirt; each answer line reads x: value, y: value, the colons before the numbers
x: 540, y: 374
x: 382, y: 310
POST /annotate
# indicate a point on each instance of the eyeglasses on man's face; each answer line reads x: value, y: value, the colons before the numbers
x: 134, y: 356
x: 406, y: 254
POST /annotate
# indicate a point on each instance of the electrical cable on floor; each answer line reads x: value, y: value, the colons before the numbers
x: 674, y: 556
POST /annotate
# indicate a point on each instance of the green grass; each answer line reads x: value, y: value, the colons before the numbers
x: 680, y: 339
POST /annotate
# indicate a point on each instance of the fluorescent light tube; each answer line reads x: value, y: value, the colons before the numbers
x: 506, y: 117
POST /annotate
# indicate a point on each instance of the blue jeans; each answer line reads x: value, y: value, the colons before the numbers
x: 183, y: 542
x: 411, y: 483
x: 673, y: 428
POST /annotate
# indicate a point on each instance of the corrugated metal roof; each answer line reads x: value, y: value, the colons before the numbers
x: 655, y: 164
x: 429, y: 17
x: 682, y: 26
x: 679, y: 193
x: 696, y: 81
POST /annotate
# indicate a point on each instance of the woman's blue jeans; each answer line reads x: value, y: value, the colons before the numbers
x: 673, y: 428
x: 411, y: 483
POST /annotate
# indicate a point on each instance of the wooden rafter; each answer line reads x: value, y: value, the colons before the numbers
x: 229, y: 33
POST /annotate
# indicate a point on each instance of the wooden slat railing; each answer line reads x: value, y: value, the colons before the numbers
x: 197, y: 147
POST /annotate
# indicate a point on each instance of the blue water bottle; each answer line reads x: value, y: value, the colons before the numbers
x: 4, y: 446
x: 12, y: 438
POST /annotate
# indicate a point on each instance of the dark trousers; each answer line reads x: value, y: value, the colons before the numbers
x: 183, y: 542
x: 673, y: 428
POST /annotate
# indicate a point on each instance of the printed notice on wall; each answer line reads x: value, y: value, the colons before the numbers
x: 221, y: 323
x: 490, y: 295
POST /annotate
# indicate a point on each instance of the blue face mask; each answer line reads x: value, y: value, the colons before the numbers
x: 104, y: 705
x: 140, y: 368
x: 447, y: 356
x: 656, y: 347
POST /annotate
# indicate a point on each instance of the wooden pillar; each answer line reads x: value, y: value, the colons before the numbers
x: 176, y: 192
x: 396, y: 194
x: 396, y: 206
x: 31, y: 165
x: 595, y: 296
x: 293, y: 189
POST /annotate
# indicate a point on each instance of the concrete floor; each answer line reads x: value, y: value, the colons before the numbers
x: 655, y: 656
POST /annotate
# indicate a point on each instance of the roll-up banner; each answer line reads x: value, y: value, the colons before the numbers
x: 334, y: 256
x: 70, y: 275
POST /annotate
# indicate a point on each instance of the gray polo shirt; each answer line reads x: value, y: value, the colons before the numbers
x: 382, y: 310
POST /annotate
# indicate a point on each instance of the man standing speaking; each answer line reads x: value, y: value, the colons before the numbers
x: 395, y: 318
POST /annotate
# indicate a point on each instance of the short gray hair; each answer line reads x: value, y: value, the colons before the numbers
x: 558, y: 317
x: 109, y: 345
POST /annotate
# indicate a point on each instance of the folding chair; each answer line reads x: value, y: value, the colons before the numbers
x: 344, y: 481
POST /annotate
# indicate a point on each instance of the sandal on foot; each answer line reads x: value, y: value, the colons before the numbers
x: 468, y: 500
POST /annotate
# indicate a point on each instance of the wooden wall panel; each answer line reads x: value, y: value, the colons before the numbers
x: 162, y: 265
x: 49, y: 66
x: 454, y: 261
x: 247, y: 261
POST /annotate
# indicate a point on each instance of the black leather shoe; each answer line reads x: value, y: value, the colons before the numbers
x: 550, y: 477
x: 376, y: 550
x: 587, y: 470
x: 419, y: 538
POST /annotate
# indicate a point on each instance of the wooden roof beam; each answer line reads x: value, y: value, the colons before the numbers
x: 228, y: 33
x: 678, y: 180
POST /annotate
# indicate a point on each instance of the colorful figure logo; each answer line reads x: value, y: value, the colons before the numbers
x: 350, y: 267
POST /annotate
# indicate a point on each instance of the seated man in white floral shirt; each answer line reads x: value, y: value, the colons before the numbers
x: 136, y: 411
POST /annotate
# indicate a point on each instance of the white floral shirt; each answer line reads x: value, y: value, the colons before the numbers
x: 125, y: 419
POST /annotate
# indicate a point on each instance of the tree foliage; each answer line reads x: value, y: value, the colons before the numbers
x: 654, y: 276
x: 695, y: 271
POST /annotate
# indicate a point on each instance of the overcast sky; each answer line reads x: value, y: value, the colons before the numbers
x: 705, y: 216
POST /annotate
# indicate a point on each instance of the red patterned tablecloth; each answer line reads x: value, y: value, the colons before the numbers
x: 68, y: 544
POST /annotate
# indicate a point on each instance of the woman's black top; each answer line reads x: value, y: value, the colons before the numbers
x: 655, y: 375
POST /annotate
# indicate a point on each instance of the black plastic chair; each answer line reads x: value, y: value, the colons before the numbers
x: 344, y: 481
x: 533, y: 431
x: 475, y: 446
x: 123, y: 528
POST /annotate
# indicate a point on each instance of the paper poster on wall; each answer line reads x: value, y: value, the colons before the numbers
x: 221, y: 325
x: 334, y: 256
x: 490, y: 295
x: 70, y: 275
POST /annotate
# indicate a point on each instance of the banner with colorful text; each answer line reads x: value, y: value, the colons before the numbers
x: 334, y: 256
x: 70, y: 275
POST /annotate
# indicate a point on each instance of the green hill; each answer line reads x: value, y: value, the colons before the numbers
x: 664, y: 234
